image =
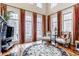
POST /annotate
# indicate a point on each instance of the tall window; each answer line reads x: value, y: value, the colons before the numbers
x: 28, y: 26
x: 39, y: 5
x: 39, y: 26
x: 14, y: 22
x: 67, y: 21
x: 54, y: 26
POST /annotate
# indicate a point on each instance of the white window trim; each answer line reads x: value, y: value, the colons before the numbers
x: 54, y: 16
x: 68, y: 11
x: 38, y: 15
x: 16, y: 11
x: 28, y: 13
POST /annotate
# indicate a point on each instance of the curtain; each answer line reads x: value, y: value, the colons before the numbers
x: 76, y: 24
x: 44, y: 24
x: 22, y: 26
x: 49, y: 23
x: 3, y: 9
x: 59, y: 16
x: 34, y: 27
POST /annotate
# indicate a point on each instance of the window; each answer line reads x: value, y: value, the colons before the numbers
x: 53, y: 5
x: 39, y: 5
x: 14, y: 22
x: 39, y: 26
x: 54, y: 26
x: 28, y: 26
x: 67, y: 22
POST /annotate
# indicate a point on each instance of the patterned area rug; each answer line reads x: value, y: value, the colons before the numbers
x: 43, y: 50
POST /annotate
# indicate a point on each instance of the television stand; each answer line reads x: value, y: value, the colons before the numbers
x: 6, y: 44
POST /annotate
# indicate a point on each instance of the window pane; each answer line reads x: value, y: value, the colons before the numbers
x: 14, y: 22
x: 68, y: 16
x: 28, y: 26
x: 67, y: 22
x: 14, y: 15
x: 53, y: 26
x: 39, y: 26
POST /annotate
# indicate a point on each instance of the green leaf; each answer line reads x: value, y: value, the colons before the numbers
x: 7, y: 16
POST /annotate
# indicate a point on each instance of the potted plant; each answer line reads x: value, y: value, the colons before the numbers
x: 7, y: 15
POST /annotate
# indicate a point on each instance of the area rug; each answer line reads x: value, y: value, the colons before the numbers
x: 43, y: 50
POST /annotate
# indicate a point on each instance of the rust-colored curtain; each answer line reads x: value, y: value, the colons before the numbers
x: 44, y: 24
x: 49, y: 23
x: 34, y: 27
x: 22, y: 26
x: 76, y: 23
x: 3, y: 9
x: 0, y: 8
x: 59, y: 16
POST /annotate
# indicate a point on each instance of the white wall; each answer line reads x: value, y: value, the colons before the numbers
x: 30, y: 7
x: 58, y: 7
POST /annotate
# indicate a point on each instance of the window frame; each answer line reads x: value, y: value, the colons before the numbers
x: 15, y: 20
x: 66, y: 20
x: 27, y: 14
x: 54, y: 16
x: 70, y: 9
x: 41, y: 29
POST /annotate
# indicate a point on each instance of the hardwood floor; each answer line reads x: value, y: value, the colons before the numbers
x: 70, y: 50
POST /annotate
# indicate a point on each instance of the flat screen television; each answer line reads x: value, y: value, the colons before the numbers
x: 9, y: 31
x: 77, y: 45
